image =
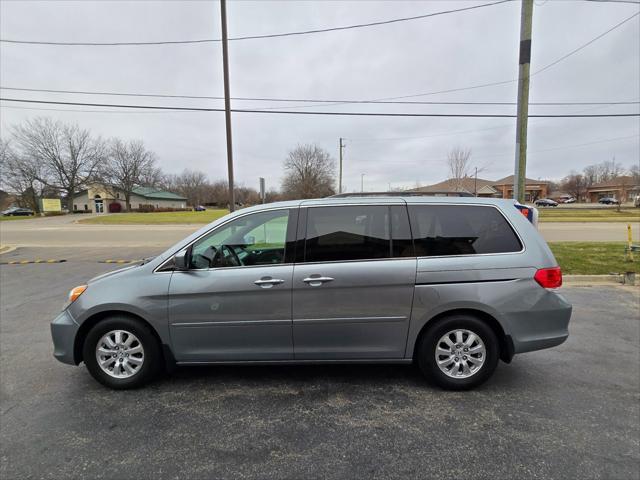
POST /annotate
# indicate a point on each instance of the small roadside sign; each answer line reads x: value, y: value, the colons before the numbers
x: 51, y: 205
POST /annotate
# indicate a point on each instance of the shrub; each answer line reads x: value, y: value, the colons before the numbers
x: 151, y: 208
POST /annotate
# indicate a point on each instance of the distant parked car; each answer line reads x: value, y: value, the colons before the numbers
x: 568, y: 200
x: 609, y: 201
x: 17, y: 212
x: 546, y: 202
x: 636, y: 201
x: 200, y: 208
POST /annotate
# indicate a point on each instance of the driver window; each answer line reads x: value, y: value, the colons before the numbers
x: 257, y: 239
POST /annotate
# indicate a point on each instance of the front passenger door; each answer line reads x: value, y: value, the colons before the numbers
x: 234, y: 302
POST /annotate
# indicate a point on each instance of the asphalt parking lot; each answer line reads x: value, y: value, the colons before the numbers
x: 568, y: 412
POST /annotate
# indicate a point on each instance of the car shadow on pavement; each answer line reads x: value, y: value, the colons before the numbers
x: 301, y: 376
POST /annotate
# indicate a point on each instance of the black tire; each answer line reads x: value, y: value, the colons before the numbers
x: 426, y: 352
x: 152, y: 354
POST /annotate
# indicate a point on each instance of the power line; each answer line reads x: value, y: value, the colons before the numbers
x: 71, y: 110
x: 372, y: 101
x: 586, y: 44
x: 256, y: 37
x: 263, y: 99
x: 503, y: 82
x: 285, y: 112
x: 561, y: 147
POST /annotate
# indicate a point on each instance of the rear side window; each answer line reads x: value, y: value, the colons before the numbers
x: 347, y: 233
x: 440, y: 230
x: 357, y: 233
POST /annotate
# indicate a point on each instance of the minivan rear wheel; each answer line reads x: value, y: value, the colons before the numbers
x: 458, y: 352
x: 121, y: 353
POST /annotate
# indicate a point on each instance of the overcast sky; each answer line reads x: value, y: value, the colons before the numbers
x: 444, y: 52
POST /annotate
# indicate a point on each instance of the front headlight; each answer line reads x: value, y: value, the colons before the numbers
x: 76, y: 292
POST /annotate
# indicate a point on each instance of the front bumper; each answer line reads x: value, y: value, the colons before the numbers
x: 63, y: 332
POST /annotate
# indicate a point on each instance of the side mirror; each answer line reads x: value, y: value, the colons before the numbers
x: 180, y: 260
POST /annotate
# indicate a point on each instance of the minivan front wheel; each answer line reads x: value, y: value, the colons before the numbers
x: 121, y: 352
x: 458, y: 352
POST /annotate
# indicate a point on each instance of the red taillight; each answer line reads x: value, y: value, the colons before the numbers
x: 549, y: 277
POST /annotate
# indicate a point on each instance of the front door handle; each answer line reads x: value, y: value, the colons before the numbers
x: 316, y: 281
x: 268, y: 282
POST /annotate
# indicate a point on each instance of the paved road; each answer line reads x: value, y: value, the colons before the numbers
x: 568, y: 412
x: 63, y: 232
x: 588, y: 232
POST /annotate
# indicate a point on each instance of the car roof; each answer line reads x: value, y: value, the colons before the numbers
x: 411, y: 200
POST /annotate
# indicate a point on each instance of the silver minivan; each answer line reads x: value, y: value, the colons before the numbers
x: 451, y: 284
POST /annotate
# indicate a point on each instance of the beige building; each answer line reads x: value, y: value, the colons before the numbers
x: 98, y: 198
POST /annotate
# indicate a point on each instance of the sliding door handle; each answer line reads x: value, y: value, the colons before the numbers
x: 317, y: 281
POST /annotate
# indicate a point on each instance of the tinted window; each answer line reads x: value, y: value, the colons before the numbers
x: 357, y: 233
x: 401, y: 242
x: 460, y: 230
x: 347, y: 233
x: 258, y: 239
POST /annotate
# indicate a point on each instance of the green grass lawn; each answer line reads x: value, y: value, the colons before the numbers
x: 554, y: 214
x: 159, y: 218
x: 9, y: 219
x: 593, y: 258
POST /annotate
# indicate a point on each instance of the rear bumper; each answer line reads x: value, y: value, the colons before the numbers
x: 63, y: 333
x: 541, y: 326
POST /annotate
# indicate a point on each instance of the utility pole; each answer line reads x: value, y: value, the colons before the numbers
x: 340, y: 171
x: 262, y: 190
x: 475, y: 184
x: 362, y: 182
x: 227, y: 103
x: 523, y: 100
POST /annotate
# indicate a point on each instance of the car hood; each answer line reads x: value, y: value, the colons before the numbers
x: 115, y: 273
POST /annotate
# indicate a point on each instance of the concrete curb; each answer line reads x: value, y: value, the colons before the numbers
x: 585, y: 280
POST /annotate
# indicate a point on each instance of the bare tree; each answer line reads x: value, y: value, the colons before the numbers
x: 21, y: 175
x: 309, y: 173
x: 610, y: 169
x: 130, y: 165
x: 152, y: 178
x: 590, y: 174
x: 192, y: 184
x: 602, y: 172
x: 575, y: 184
x: 247, y: 195
x: 69, y: 156
x: 218, y: 193
x: 458, y: 162
x: 634, y: 171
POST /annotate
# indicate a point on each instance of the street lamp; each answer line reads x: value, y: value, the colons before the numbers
x: 362, y: 182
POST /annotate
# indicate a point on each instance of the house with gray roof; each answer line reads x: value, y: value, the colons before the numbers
x: 481, y: 187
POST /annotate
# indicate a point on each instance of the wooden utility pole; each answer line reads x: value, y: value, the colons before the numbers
x: 523, y: 101
x: 340, y: 171
x: 227, y: 103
